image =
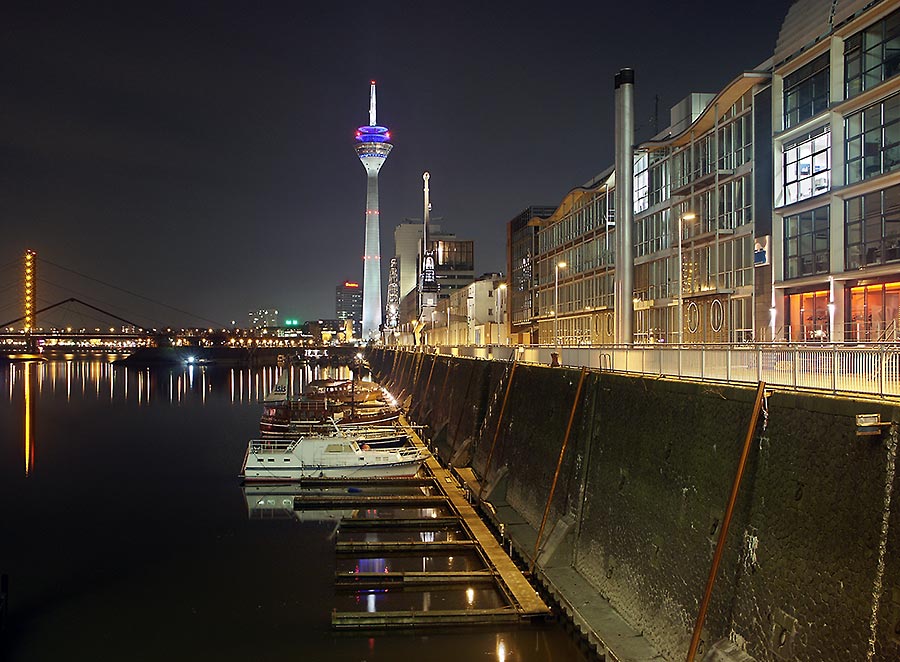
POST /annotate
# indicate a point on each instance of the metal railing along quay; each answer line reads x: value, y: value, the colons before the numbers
x: 871, y: 369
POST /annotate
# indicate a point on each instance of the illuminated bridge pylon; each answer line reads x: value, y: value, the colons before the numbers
x: 30, y: 295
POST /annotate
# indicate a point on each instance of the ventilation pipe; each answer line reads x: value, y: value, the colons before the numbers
x: 624, y: 199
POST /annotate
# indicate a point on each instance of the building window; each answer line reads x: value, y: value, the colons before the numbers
x: 872, y: 56
x: 650, y: 233
x: 807, y: 165
x: 806, y: 243
x: 806, y: 91
x: 873, y: 140
x: 735, y: 203
x: 641, y: 183
x: 736, y: 142
x: 872, y: 234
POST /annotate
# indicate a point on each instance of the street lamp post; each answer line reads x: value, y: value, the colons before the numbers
x: 559, y: 265
x: 689, y: 216
x: 501, y: 290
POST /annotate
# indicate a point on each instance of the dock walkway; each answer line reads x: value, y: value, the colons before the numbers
x: 522, y: 601
x: 525, y: 599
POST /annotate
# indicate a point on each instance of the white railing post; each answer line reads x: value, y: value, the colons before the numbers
x: 834, y: 369
x: 882, y: 356
x: 728, y: 363
x: 796, y: 370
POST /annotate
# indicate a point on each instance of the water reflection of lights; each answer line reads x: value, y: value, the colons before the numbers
x: 501, y: 650
x: 73, y: 376
x: 29, y: 442
x: 470, y: 596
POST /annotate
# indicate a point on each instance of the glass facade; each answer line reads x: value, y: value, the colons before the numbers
x: 806, y: 91
x: 872, y: 56
x: 807, y: 165
x: 874, y: 313
x: 808, y: 316
x: 873, y: 140
x: 872, y: 234
x: 807, y: 243
x: 736, y: 203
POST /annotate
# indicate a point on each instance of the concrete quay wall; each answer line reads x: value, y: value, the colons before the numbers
x: 811, y: 569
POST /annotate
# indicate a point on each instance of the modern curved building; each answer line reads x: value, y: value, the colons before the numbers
x: 372, y: 146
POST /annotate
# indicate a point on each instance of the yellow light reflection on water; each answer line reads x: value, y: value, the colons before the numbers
x: 29, y: 448
x: 501, y: 650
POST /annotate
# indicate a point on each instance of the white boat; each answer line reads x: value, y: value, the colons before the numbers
x: 283, y: 460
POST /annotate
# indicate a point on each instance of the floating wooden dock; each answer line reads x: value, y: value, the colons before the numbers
x: 417, y: 523
x: 525, y: 599
x: 339, y: 501
x: 383, y: 620
x: 501, y: 571
x: 413, y: 580
x: 392, y: 481
x: 413, y: 548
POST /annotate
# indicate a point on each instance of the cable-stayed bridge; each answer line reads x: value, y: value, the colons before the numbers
x: 47, y: 305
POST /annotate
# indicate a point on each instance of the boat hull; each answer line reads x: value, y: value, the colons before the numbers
x: 341, y: 457
x: 293, y: 474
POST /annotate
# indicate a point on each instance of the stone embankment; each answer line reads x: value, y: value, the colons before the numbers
x: 811, y: 565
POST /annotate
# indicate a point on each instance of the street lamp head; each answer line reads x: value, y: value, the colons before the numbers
x: 561, y: 265
x: 688, y: 216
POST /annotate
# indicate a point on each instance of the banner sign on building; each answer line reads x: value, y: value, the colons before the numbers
x: 761, y: 251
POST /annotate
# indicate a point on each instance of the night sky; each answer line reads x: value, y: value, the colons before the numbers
x: 201, y: 154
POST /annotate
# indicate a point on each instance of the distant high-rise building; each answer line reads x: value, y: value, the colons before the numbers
x: 521, y: 246
x: 392, y: 312
x: 372, y: 147
x: 263, y: 318
x: 348, y: 301
x: 407, y: 244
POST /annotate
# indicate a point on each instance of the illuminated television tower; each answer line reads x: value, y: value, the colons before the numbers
x: 372, y: 147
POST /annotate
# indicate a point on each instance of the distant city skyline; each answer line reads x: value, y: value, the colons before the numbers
x: 197, y: 155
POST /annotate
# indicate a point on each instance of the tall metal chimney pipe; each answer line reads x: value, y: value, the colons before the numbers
x: 624, y: 199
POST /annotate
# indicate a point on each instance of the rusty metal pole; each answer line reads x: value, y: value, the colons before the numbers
x: 430, y: 373
x: 562, y: 451
x: 462, y: 409
x: 723, y: 532
x: 487, y: 465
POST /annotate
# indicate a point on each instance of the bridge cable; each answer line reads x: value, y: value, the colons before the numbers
x: 156, y: 322
x: 134, y: 294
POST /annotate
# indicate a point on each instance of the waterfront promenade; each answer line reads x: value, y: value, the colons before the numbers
x: 870, y: 369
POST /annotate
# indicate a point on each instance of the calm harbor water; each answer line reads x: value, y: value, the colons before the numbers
x: 126, y: 534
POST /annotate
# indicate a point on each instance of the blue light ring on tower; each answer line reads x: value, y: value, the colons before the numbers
x: 372, y: 134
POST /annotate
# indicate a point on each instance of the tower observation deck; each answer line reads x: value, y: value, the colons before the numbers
x: 372, y: 146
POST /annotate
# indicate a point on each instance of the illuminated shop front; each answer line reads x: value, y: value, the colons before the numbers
x: 808, y: 317
x: 873, y: 313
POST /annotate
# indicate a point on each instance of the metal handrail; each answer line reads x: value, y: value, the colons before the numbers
x: 862, y: 368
